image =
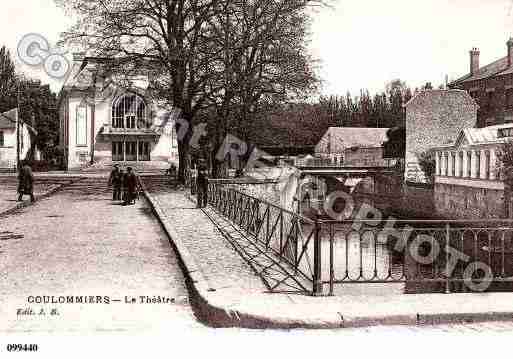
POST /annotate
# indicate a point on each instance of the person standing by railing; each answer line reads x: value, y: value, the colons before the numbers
x: 202, y: 186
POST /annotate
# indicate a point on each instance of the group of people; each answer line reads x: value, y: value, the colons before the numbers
x: 125, y: 185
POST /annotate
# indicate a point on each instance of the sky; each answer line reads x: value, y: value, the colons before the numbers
x: 359, y: 44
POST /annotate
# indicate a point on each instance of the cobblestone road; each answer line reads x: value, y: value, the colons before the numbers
x: 79, y: 243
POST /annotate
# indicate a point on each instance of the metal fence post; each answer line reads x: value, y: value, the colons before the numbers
x: 447, y: 274
x: 317, y: 275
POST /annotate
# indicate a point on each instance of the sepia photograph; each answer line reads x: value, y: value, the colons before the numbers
x: 250, y: 178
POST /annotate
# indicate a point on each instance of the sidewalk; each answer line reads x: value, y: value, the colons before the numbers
x: 229, y: 293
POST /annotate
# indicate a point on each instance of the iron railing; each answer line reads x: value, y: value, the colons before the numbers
x: 419, y: 256
x: 426, y: 256
x: 277, y: 229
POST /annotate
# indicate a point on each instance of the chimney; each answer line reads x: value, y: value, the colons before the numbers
x: 510, y: 51
x: 474, y: 60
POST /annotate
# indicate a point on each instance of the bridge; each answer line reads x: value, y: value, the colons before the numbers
x: 345, y: 171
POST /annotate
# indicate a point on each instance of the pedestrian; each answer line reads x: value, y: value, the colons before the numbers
x: 130, y: 184
x: 202, y: 186
x: 25, y: 182
x: 115, y: 180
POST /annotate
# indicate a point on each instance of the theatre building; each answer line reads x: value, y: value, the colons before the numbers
x: 101, y: 123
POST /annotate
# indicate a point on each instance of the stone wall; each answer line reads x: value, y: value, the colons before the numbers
x: 435, y: 118
x: 456, y: 201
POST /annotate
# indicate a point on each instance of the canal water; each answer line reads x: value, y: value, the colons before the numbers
x: 365, y: 261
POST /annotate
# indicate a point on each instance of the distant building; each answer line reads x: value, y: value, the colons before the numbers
x: 14, y: 137
x: 103, y: 123
x: 491, y: 86
x: 467, y: 183
x: 353, y: 146
x: 434, y: 118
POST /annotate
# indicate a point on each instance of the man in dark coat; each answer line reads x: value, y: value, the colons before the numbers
x: 130, y: 184
x: 25, y: 182
x: 115, y: 180
x: 202, y: 186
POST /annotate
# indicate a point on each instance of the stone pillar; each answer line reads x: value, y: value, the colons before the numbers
x: 443, y: 162
x: 483, y: 164
x: 457, y: 167
x: 493, y: 164
x: 464, y: 164
x: 450, y: 161
x: 437, y: 160
x: 473, y: 164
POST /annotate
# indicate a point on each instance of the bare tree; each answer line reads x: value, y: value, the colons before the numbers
x: 225, y: 55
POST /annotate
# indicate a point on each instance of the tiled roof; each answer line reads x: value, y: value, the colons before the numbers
x: 341, y: 138
x: 497, y: 68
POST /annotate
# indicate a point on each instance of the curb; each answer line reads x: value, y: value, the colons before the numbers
x: 212, y: 314
x: 224, y: 317
x: 27, y: 203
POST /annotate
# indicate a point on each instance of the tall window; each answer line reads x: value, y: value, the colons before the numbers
x: 2, y: 144
x: 129, y: 111
x: 81, y: 126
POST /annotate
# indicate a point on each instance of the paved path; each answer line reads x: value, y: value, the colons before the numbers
x: 9, y: 185
x: 220, y: 264
x: 78, y: 243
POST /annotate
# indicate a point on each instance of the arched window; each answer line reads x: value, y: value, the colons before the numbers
x: 129, y: 111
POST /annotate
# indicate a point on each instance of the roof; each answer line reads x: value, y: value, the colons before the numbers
x: 497, y: 68
x: 480, y: 136
x: 8, y: 119
x: 441, y: 96
x: 341, y: 138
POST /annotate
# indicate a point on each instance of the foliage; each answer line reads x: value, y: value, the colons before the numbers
x: 38, y: 108
x: 37, y: 104
x: 505, y: 162
x: 221, y: 57
x: 395, y: 147
x: 428, y: 164
x: 381, y: 110
x: 7, y: 81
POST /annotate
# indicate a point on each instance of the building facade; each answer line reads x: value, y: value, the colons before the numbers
x: 491, y: 86
x: 103, y: 123
x: 467, y: 180
x: 434, y: 118
x: 14, y: 138
x: 353, y: 146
